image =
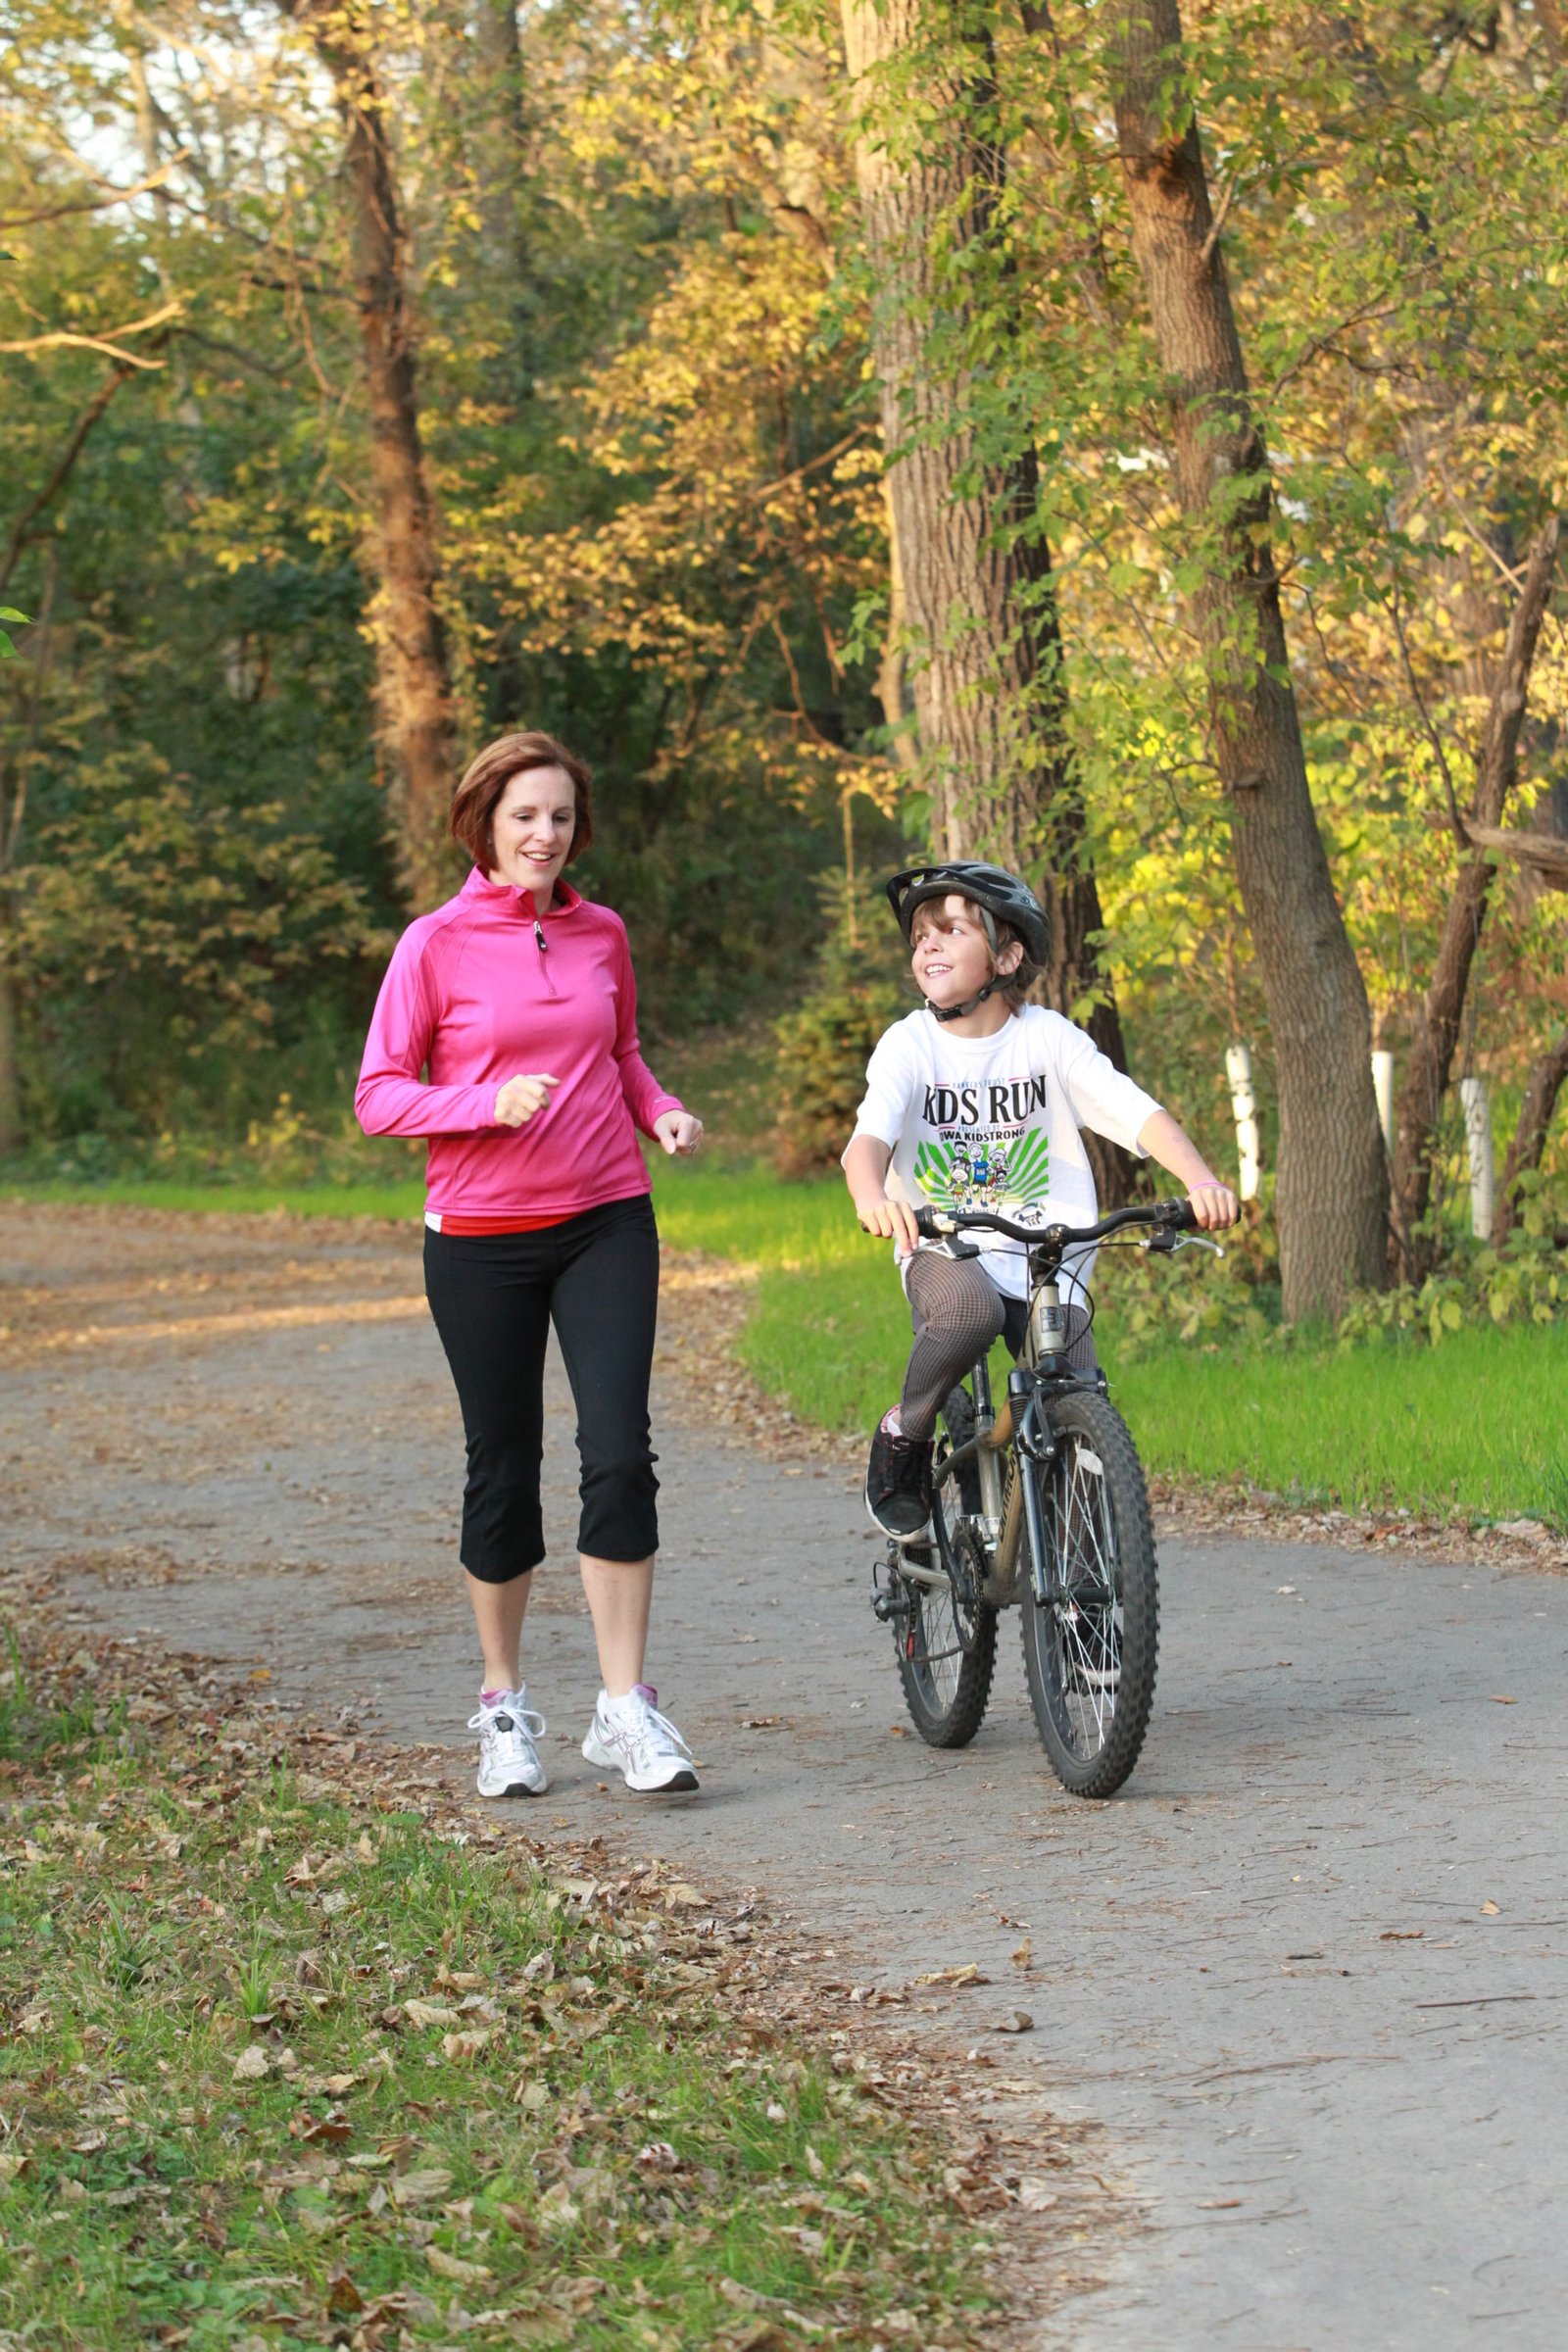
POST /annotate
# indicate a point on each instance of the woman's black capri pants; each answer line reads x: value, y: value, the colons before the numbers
x: 494, y: 1297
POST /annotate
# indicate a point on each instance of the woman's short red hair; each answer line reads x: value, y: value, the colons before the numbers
x: 486, y: 777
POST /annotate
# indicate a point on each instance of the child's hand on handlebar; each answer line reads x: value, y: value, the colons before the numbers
x: 1214, y: 1206
x: 894, y: 1221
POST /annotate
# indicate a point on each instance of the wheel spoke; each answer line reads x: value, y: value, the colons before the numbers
x: 1091, y: 1718
x: 947, y: 1640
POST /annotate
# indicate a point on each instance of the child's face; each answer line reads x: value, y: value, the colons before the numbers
x: 952, y: 957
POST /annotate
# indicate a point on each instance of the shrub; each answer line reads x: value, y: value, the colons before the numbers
x: 827, y: 1042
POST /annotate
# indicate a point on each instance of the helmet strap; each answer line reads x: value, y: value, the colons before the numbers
x: 956, y: 1013
x: 997, y: 980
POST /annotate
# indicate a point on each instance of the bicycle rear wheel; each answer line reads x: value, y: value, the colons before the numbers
x: 1089, y: 1650
x: 946, y: 1645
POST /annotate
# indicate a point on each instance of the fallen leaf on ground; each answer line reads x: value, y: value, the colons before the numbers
x: 453, y: 2266
x: 421, y: 2187
x: 1490, y: 1911
x: 969, y: 1973
x: 459, y: 2048
x: 428, y: 2013
x: 1023, y: 1955
x: 252, y: 2064
x: 1017, y: 2021
x: 1036, y: 2195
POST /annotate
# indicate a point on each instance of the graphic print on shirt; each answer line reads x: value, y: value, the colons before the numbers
x: 1005, y: 1168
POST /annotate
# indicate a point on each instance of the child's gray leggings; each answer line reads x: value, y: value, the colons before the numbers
x: 958, y: 1311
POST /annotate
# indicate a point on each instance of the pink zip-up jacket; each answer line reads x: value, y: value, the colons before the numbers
x: 482, y: 991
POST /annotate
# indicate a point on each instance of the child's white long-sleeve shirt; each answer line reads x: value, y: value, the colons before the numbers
x: 996, y: 1122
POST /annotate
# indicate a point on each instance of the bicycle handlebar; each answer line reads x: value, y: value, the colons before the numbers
x: 1168, y: 1216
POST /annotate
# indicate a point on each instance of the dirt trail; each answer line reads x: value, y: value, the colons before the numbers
x: 1308, y: 1973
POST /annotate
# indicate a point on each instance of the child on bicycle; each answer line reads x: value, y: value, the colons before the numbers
x: 979, y: 1101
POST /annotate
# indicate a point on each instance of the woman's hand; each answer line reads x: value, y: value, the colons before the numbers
x: 894, y: 1221
x: 1214, y: 1206
x: 520, y: 1097
x: 679, y: 1131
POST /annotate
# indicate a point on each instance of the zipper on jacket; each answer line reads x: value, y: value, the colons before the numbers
x: 543, y: 945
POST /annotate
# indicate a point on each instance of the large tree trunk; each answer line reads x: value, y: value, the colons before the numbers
x: 416, y: 711
x: 500, y: 175
x: 983, y: 658
x: 1332, y: 1191
x: 1437, y: 1031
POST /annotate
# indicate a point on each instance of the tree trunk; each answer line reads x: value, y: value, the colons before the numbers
x: 982, y: 654
x: 1437, y: 1031
x: 9, y: 1086
x: 501, y: 175
x: 1543, y: 1085
x: 1332, y: 1198
x: 417, y: 709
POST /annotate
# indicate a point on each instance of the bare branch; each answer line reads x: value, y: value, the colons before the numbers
x: 1455, y: 820
x: 1546, y: 853
x: 97, y: 204
x: 21, y: 529
x: 60, y: 339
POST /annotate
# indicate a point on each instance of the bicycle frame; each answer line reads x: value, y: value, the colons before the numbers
x: 1009, y: 1503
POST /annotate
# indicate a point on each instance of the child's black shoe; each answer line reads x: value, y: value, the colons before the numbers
x: 898, y: 1484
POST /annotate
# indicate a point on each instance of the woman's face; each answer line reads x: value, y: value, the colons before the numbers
x: 531, y: 829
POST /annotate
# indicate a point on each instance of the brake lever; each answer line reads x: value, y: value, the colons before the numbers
x: 1167, y: 1244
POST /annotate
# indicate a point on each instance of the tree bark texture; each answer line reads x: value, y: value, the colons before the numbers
x: 413, y: 682
x: 1332, y: 1197
x: 1544, y: 1083
x: 1436, y: 1028
x: 982, y: 654
x: 502, y: 166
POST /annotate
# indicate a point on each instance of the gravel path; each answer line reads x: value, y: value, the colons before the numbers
x: 1305, y: 1971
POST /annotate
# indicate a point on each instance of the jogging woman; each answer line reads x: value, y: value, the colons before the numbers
x: 518, y: 996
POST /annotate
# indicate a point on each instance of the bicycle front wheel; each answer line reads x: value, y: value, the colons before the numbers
x: 1090, y: 1648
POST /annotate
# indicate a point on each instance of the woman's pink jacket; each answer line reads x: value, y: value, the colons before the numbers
x: 484, y: 989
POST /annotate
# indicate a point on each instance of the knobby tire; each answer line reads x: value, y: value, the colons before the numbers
x: 1090, y: 1664
x: 947, y: 1687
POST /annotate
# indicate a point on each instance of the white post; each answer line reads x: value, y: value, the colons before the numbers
x: 1383, y: 1088
x: 1478, y: 1135
x: 1244, y: 1109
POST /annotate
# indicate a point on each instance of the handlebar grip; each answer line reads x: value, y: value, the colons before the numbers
x: 925, y: 1221
x: 1176, y: 1216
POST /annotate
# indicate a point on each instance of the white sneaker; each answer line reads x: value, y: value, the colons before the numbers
x: 644, y: 1746
x: 509, y: 1732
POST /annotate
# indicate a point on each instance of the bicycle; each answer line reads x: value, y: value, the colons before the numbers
x: 1040, y: 1507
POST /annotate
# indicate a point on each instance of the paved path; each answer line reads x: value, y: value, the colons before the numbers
x: 1307, y: 1970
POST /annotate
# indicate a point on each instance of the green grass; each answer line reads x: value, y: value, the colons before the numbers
x: 283, y: 2068
x: 300, y: 1199
x: 1470, y: 1428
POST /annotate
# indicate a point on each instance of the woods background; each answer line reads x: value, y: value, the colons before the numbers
x: 1127, y: 444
